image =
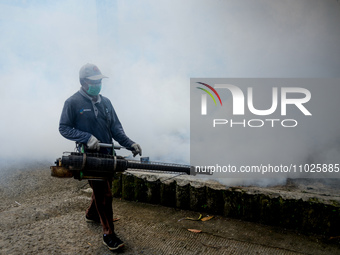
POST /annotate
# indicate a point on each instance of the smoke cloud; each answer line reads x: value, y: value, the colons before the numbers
x: 149, y: 50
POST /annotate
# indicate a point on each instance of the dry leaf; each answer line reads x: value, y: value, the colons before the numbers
x: 207, y: 218
x: 187, y: 218
x: 195, y: 230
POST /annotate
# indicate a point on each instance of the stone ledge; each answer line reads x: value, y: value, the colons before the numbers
x: 305, y: 212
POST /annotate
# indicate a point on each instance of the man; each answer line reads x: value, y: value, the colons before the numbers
x: 88, y: 118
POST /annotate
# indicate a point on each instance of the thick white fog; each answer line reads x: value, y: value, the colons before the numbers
x: 149, y: 50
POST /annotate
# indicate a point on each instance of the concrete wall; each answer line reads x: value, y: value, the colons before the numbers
x: 303, y: 212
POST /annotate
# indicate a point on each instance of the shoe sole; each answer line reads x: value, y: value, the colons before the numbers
x: 113, y: 249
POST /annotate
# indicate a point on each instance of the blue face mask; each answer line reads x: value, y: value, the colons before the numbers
x: 94, y: 89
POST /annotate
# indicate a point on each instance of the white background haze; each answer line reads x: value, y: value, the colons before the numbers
x: 149, y: 50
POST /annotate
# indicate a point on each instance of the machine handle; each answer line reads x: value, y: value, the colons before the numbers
x: 109, y: 145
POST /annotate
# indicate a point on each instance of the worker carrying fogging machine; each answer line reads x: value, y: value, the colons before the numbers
x: 101, y: 166
x: 89, y: 119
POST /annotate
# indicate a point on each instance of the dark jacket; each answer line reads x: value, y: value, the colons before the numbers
x: 78, y: 121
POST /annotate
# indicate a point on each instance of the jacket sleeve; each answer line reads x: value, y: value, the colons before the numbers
x: 117, y: 131
x: 67, y: 125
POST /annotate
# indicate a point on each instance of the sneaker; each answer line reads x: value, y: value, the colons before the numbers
x: 112, y: 242
x: 92, y: 220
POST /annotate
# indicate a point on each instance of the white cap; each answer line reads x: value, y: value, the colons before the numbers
x: 91, y: 72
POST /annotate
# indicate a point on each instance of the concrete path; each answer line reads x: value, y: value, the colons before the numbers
x: 44, y: 215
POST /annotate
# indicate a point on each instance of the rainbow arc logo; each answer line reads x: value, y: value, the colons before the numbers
x: 209, y: 93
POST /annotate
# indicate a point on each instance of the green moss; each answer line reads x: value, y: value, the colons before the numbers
x: 128, y: 187
x: 314, y: 200
x: 117, y: 185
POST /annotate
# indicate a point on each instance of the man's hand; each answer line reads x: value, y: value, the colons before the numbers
x: 93, y: 143
x: 136, y: 149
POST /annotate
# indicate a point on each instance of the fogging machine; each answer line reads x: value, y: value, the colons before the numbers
x: 101, y: 166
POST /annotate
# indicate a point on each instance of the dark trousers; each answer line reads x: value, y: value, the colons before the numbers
x: 101, y: 204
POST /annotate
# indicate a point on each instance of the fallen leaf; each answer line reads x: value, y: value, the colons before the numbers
x: 187, y: 218
x: 195, y: 230
x: 207, y: 218
x: 116, y: 219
